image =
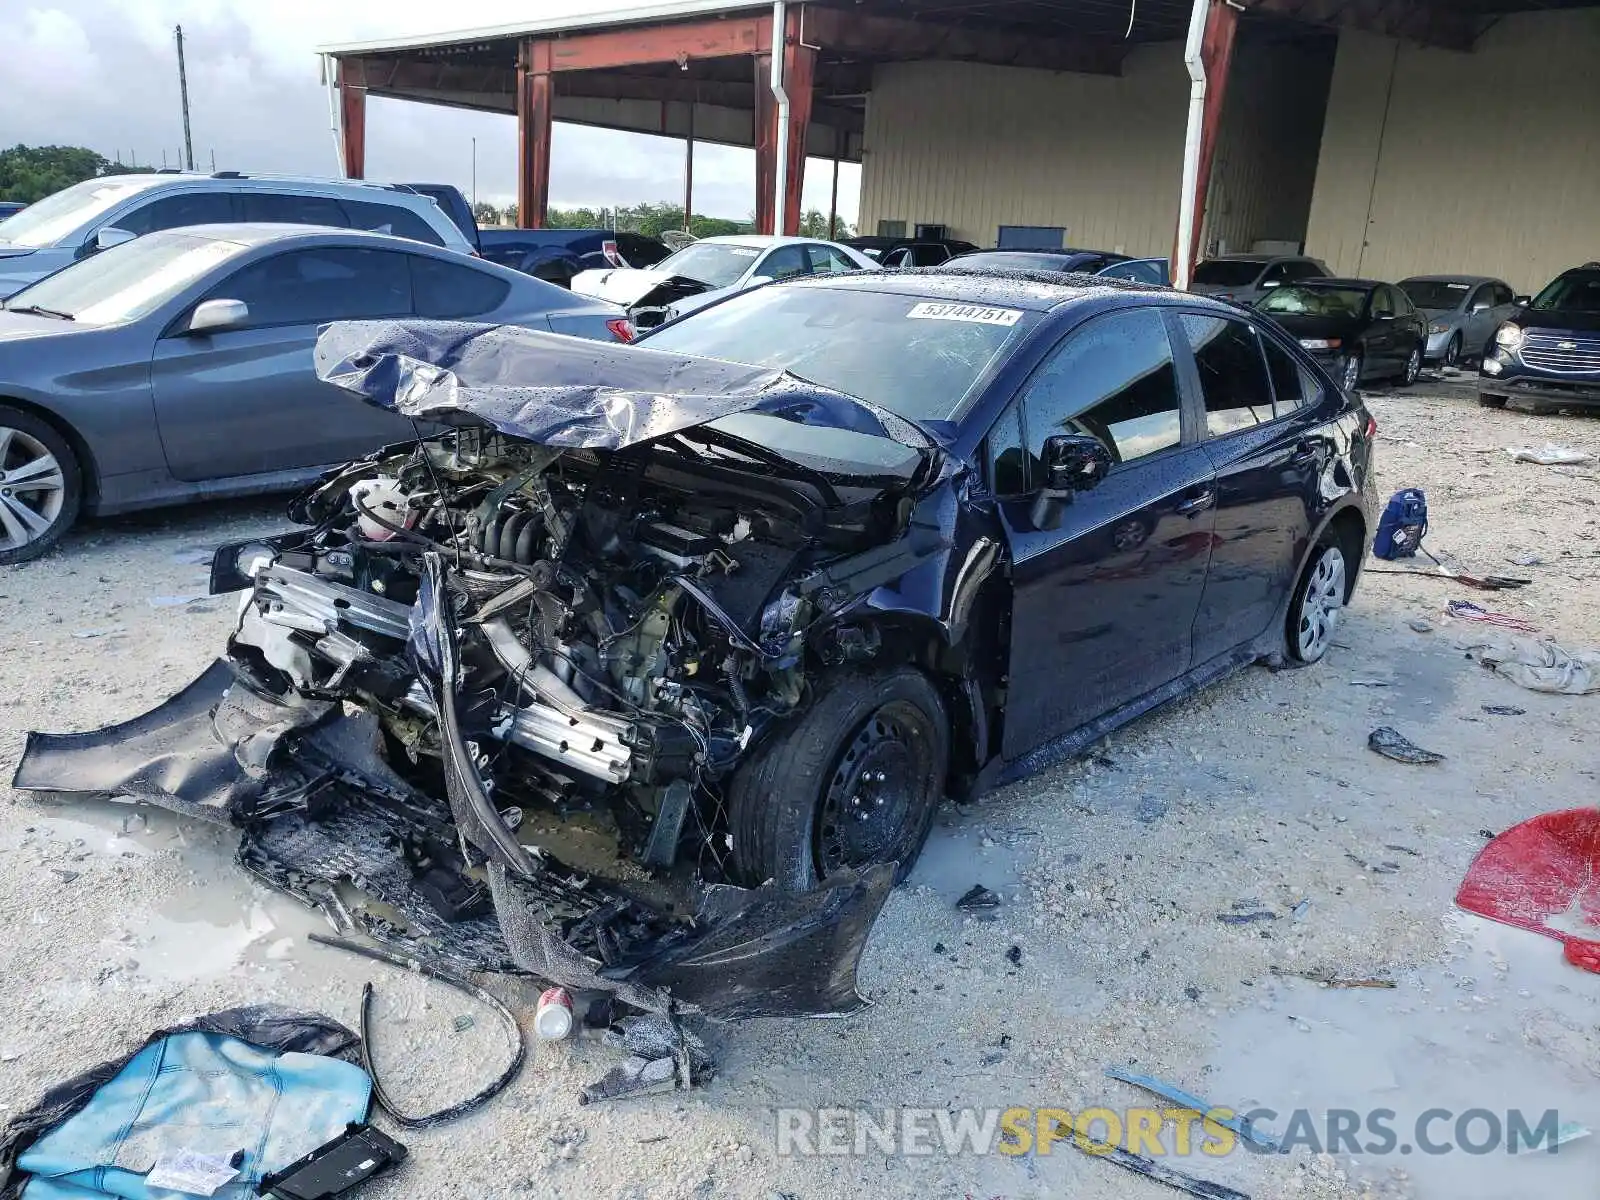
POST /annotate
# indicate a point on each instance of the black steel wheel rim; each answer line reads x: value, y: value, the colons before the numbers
x: 873, y: 794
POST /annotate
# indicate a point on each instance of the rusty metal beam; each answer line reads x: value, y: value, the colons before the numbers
x: 799, y: 81
x: 901, y: 39
x: 1216, y: 51
x: 678, y: 42
x: 766, y: 144
x: 534, y: 116
x: 1431, y: 22
x: 352, y: 126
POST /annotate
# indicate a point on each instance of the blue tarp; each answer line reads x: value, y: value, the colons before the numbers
x: 199, y: 1092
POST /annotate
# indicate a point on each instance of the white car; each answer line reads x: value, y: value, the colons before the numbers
x: 712, y: 268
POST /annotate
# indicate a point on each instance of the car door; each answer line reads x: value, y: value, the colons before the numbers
x: 1104, y: 604
x: 246, y: 400
x: 1268, y: 463
x: 1382, y: 339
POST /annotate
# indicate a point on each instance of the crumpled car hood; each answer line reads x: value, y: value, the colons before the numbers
x: 573, y: 393
x: 620, y: 285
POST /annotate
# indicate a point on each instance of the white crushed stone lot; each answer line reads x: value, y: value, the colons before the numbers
x: 1252, y: 797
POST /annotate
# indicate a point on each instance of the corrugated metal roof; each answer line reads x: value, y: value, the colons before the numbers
x: 661, y: 10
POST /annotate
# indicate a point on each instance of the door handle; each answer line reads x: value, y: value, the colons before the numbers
x: 1304, y: 453
x: 1193, y: 508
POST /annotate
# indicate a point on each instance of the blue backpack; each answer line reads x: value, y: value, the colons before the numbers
x: 1402, y: 526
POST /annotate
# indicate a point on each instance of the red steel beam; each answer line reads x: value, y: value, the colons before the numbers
x: 352, y: 125
x: 766, y: 143
x: 1216, y: 51
x: 534, y: 116
x: 678, y: 42
x: 799, y: 83
x: 899, y: 38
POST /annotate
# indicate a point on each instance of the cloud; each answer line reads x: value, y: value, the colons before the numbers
x: 102, y: 74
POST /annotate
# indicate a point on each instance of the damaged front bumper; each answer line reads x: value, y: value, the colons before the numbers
x: 326, y: 819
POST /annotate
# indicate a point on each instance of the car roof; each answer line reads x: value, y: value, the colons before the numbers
x: 1449, y: 279
x: 1364, y: 284
x: 1260, y: 258
x: 758, y: 240
x: 262, y: 232
x: 1032, y: 291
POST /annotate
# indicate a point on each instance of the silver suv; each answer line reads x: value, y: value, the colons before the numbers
x: 1247, y: 278
x: 98, y: 213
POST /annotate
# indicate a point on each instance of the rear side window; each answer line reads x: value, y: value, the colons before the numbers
x: 284, y: 208
x: 448, y: 291
x: 1113, y: 379
x: 1233, y: 375
x: 825, y: 260
x: 1293, y: 385
x: 174, y: 212
x: 305, y: 287
x: 391, y: 219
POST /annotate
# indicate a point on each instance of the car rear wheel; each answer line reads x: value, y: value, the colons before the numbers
x: 1452, y: 352
x: 1488, y: 400
x: 1413, y: 368
x: 853, y: 783
x: 39, y: 486
x: 1352, y: 371
x: 1319, y: 600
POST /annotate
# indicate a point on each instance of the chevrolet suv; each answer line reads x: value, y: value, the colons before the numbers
x: 98, y: 213
x: 1549, y: 351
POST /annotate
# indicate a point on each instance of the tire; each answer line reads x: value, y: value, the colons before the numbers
x: 784, y: 803
x: 1452, y: 352
x: 1351, y: 379
x: 1488, y: 400
x: 1413, y: 368
x: 1319, y: 599
x: 41, y: 486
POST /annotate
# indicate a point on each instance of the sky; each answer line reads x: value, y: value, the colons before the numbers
x: 103, y: 74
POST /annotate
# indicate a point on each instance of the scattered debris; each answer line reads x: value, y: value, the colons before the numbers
x: 463, y: 1023
x: 662, y: 1057
x: 1541, y: 876
x: 1299, y: 911
x: 1371, y: 683
x: 186, y: 1171
x: 1150, y: 1169
x: 1188, y: 1100
x: 1541, y: 666
x: 1504, y: 710
x: 63, y: 874
x: 1403, y: 849
x: 1550, y: 455
x: 1392, y: 744
x: 1329, y: 980
x: 1386, y: 868
x: 1192, y: 992
x: 1246, y: 918
x: 1420, y: 626
x: 1014, y: 955
x: 1526, y: 560
x: 176, y: 601
x: 418, y: 967
x: 1465, y: 610
x: 552, y: 1020
x: 85, y: 634
x: 978, y: 897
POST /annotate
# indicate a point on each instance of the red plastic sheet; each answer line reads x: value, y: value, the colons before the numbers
x: 1544, y: 876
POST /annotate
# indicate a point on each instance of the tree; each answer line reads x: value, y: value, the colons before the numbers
x: 29, y: 173
x: 485, y: 213
x: 814, y: 224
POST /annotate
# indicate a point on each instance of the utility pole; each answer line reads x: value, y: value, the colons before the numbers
x: 474, y: 174
x: 183, y: 91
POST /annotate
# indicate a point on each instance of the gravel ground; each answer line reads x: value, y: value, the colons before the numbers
x: 1253, y: 797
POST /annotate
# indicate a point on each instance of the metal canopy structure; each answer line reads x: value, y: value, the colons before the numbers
x: 701, y: 69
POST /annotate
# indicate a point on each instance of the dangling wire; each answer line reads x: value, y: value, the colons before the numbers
x: 1133, y: 11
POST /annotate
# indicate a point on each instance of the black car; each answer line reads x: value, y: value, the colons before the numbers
x: 1079, y: 262
x: 750, y: 596
x: 1358, y: 329
x: 1549, y: 351
x: 895, y: 253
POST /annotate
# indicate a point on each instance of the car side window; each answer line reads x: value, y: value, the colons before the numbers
x: 1138, y: 271
x: 391, y: 219
x: 306, y: 287
x: 173, y: 212
x: 284, y: 208
x: 1302, y: 270
x: 785, y: 263
x: 825, y: 260
x: 450, y: 291
x: 1400, y: 301
x: 1382, y: 305
x: 1293, y: 386
x: 1007, y: 454
x: 1503, y: 295
x: 1113, y: 379
x: 1233, y: 373
x: 1277, y: 273
x: 929, y: 256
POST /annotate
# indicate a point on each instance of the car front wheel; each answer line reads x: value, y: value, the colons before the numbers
x: 854, y: 782
x: 39, y: 486
x: 1452, y: 352
x: 1319, y: 600
x: 1413, y: 368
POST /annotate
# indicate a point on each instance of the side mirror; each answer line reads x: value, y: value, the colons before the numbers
x: 213, y: 316
x: 1271, y: 283
x: 1073, y: 463
x: 1524, y: 301
x: 109, y: 236
x: 1481, y: 306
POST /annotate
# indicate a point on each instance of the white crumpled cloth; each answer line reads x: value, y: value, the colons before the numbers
x: 1540, y: 666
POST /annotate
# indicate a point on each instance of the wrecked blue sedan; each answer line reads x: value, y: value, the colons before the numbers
x: 645, y: 668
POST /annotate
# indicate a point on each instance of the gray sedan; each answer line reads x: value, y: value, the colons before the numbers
x: 177, y: 367
x: 1462, y: 311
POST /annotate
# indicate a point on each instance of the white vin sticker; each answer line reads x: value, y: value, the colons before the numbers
x: 978, y: 314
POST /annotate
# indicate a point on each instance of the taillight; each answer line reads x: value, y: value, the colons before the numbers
x: 1372, y: 427
x: 612, y: 254
x: 622, y: 329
